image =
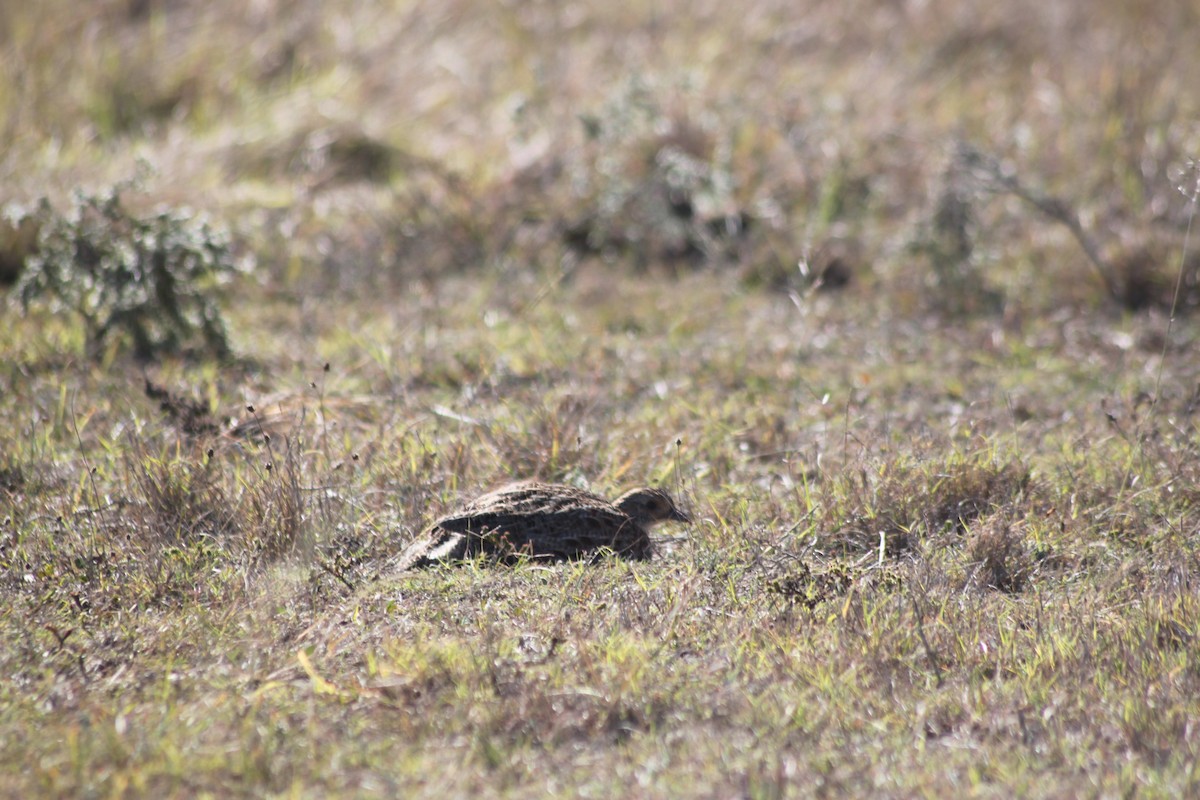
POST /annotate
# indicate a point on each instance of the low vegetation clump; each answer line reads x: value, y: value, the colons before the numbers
x: 903, y: 325
x: 150, y: 281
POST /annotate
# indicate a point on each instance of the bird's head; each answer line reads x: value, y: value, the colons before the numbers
x: 650, y: 506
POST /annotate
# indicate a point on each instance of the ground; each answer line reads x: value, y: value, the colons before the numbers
x: 898, y: 298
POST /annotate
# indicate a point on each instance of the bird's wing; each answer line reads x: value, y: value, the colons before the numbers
x: 432, y: 547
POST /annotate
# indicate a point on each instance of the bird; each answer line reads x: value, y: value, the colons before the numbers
x: 544, y: 521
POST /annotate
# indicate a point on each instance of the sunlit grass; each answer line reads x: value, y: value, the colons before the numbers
x: 943, y: 478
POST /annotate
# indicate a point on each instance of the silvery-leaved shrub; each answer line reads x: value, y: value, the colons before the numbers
x: 152, y: 281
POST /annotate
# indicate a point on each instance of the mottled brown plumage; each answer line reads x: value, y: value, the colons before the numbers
x: 546, y: 521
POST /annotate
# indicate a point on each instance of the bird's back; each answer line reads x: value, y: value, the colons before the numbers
x: 532, y: 519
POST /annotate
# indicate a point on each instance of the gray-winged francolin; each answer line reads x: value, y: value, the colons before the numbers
x: 548, y: 521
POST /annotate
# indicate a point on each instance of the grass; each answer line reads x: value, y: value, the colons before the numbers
x: 938, y: 439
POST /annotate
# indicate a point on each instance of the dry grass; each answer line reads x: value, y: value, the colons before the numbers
x: 935, y: 422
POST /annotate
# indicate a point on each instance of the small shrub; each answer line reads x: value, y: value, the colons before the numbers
x: 946, y: 238
x: 153, y: 280
x: 657, y: 182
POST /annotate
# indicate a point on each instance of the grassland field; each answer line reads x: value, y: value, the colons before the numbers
x: 898, y: 297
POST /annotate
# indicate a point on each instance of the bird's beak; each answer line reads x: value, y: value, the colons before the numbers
x: 679, y: 516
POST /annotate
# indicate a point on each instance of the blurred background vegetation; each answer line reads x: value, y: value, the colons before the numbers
x: 357, y: 147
